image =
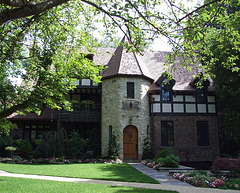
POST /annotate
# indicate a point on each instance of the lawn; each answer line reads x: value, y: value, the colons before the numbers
x: 21, y: 185
x: 116, y: 172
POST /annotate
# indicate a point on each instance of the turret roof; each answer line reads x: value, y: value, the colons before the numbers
x: 124, y: 63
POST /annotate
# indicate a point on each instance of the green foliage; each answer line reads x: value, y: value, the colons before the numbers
x: 94, y: 143
x: 16, y: 159
x: 164, y: 153
x: 232, y: 184
x: 25, y: 148
x: 76, y: 145
x: 61, y: 139
x: 6, y: 126
x: 147, y: 149
x: 5, y: 141
x: 10, y: 148
x: 45, y: 146
x: 170, y: 161
x: 113, y: 148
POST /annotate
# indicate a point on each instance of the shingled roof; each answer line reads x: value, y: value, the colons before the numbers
x: 124, y: 63
x: 47, y: 114
x: 155, y: 64
x: 150, y: 65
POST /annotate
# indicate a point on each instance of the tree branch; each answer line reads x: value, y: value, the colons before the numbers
x: 13, y: 109
x: 201, y: 7
x: 28, y: 10
x: 15, y: 3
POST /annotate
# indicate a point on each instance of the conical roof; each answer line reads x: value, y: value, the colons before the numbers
x: 125, y: 63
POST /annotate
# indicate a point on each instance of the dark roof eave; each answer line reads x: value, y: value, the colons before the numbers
x: 127, y: 75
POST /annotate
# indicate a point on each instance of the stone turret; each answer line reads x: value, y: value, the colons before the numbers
x: 125, y: 103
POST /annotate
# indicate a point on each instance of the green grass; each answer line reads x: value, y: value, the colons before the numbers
x: 21, y: 185
x: 116, y: 172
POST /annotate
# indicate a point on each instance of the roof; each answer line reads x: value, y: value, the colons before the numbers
x: 124, y: 63
x: 150, y: 65
x: 47, y: 114
x: 183, y: 78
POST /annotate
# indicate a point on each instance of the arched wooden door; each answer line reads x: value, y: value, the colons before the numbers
x: 130, y: 142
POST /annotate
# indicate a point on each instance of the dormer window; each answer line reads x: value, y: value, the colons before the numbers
x: 166, y: 91
x: 201, y: 86
x: 166, y: 87
x: 201, y: 95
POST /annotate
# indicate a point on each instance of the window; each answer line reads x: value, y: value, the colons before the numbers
x: 130, y: 90
x: 167, y: 133
x: 110, y: 134
x: 202, y: 133
x: 200, y: 95
x: 166, y: 91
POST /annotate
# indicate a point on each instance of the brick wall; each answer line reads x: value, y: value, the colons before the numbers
x: 185, y: 137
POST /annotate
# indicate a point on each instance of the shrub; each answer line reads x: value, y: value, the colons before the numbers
x: 25, y: 148
x: 113, y: 148
x: 76, y: 145
x: 164, y: 153
x: 170, y: 161
x: 5, y: 141
x: 160, y: 159
x: 11, y: 150
x: 147, y: 149
x: 61, y: 138
x: 45, y: 146
x: 17, y: 159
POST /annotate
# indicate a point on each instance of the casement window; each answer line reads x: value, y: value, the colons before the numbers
x: 130, y: 90
x: 166, y: 91
x: 202, y: 133
x: 201, y: 95
x: 167, y: 133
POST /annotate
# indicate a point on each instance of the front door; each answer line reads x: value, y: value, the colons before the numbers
x: 130, y: 142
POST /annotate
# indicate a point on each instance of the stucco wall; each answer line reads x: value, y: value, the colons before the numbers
x: 117, y: 111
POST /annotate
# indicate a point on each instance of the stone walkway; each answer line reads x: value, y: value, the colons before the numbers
x: 167, y: 182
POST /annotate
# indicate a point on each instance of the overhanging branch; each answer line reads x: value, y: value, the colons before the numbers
x: 27, y: 10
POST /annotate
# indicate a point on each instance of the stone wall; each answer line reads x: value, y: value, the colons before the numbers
x: 185, y: 137
x: 118, y: 111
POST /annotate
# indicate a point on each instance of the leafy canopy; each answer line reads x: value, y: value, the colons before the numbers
x: 41, y: 41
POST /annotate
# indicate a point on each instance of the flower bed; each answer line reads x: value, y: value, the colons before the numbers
x: 200, y: 179
x: 195, y: 178
x: 19, y: 160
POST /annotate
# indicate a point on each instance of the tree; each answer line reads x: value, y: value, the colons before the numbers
x: 40, y: 41
x: 226, y: 78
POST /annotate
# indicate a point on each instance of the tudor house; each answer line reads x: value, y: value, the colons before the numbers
x: 136, y: 100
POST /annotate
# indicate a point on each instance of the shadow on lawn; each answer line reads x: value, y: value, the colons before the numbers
x: 125, y: 172
x: 141, y: 190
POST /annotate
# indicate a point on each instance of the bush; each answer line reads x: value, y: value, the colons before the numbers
x: 147, y: 149
x: 76, y: 145
x: 170, y: 161
x: 113, y: 149
x: 164, y: 153
x: 25, y: 148
x: 11, y: 150
x: 44, y: 146
x: 5, y: 141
